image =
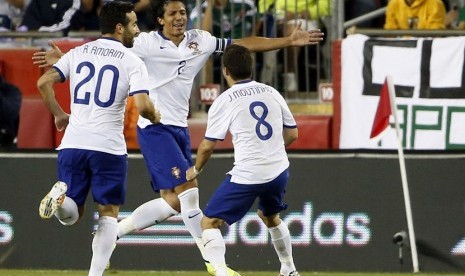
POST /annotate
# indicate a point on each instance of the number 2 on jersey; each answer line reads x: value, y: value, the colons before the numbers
x: 261, y: 120
x: 86, y: 95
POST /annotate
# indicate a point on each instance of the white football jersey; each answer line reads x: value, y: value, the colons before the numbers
x: 102, y: 74
x: 254, y: 114
x: 172, y: 70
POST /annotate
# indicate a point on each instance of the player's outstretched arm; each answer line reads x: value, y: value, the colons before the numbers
x: 204, y: 152
x: 298, y: 37
x: 48, y: 58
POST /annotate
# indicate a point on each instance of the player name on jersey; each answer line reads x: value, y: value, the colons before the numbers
x: 106, y: 52
x: 248, y: 92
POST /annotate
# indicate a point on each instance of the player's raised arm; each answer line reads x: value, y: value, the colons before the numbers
x: 297, y: 38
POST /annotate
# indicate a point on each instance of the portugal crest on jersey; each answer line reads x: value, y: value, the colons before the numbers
x: 194, y: 46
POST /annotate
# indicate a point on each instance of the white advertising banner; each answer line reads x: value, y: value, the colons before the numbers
x: 428, y: 75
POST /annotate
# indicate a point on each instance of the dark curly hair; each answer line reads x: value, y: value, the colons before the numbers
x: 113, y: 13
x: 238, y: 60
x: 158, y: 10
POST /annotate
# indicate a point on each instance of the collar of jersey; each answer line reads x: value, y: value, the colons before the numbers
x: 163, y: 36
x: 243, y: 81
x: 110, y: 38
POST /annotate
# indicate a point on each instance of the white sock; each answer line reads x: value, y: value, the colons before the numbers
x: 192, y: 215
x: 103, y: 244
x: 215, y: 249
x: 68, y: 212
x: 148, y: 214
x: 281, y: 240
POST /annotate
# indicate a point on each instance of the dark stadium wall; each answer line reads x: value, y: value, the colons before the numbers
x: 344, y: 210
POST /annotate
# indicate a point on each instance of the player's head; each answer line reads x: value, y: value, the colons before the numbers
x: 119, y: 20
x: 237, y: 62
x: 170, y: 16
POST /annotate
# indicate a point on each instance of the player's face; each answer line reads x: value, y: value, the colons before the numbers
x: 174, y: 20
x: 131, y: 30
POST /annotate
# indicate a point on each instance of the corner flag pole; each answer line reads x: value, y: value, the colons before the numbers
x: 403, y: 174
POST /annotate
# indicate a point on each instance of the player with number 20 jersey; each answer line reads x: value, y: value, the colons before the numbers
x: 102, y: 74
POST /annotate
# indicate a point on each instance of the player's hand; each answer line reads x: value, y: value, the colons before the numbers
x: 192, y: 173
x: 62, y: 121
x: 300, y: 37
x: 157, y: 118
x: 48, y: 58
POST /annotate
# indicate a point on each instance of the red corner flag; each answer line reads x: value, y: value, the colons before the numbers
x: 383, y: 112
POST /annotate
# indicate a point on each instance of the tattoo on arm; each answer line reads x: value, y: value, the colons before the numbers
x: 53, y: 74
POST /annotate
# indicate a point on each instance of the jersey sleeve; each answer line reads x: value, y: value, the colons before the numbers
x: 218, y: 44
x: 63, y: 65
x: 288, y: 118
x: 141, y: 45
x: 139, y: 79
x: 217, y: 125
x: 221, y: 44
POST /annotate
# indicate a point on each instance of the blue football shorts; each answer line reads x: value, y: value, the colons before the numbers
x: 167, y: 154
x: 103, y: 173
x: 231, y: 201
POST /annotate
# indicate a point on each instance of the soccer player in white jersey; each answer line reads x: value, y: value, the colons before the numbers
x: 173, y: 57
x: 261, y: 126
x: 92, y: 155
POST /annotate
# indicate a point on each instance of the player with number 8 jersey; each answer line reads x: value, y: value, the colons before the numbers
x: 261, y: 126
x: 259, y: 156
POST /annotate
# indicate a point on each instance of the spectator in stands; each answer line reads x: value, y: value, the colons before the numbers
x: 146, y: 18
x: 224, y: 18
x: 310, y: 13
x: 86, y: 18
x: 356, y: 8
x: 453, y: 17
x: 461, y: 19
x: 11, y: 13
x: 10, y: 105
x: 415, y: 14
x: 49, y: 15
x: 146, y: 21
x: 266, y: 26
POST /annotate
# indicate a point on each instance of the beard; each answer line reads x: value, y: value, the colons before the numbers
x: 128, y: 40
